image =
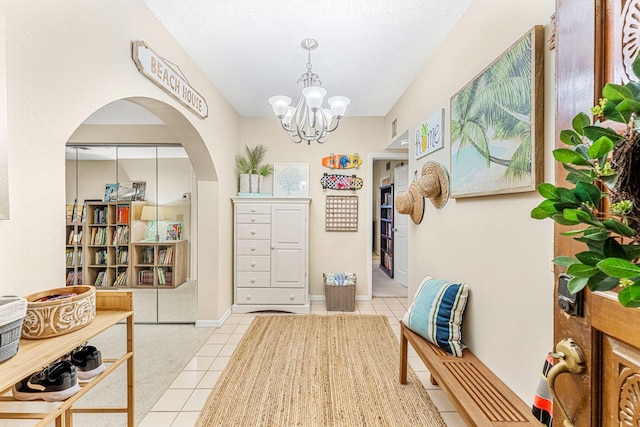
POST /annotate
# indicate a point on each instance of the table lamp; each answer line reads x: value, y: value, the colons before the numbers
x: 152, y: 214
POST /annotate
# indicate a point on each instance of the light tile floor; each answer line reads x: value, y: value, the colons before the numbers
x: 181, y: 403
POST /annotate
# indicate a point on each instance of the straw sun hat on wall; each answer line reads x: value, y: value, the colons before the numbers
x: 411, y: 203
x: 434, y: 184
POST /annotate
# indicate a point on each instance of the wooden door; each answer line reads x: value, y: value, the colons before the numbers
x: 288, y: 245
x: 400, y: 229
x: 594, y: 42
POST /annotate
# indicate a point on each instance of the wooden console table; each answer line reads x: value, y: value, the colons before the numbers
x: 112, y: 307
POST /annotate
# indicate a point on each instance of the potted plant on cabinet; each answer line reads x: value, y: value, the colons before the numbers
x: 251, y: 168
x: 603, y: 198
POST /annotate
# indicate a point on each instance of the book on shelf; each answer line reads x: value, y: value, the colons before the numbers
x: 100, y: 257
x: 122, y: 255
x: 122, y: 278
x: 101, y: 279
x: 165, y: 256
x: 69, y: 212
x: 75, y: 238
x: 147, y: 255
x: 174, y: 231
x: 145, y: 277
x: 165, y: 276
x: 74, y: 278
x: 122, y: 214
x: 100, y: 215
x: 99, y: 236
x: 121, y: 235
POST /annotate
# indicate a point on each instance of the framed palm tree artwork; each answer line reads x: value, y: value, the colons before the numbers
x: 497, y: 124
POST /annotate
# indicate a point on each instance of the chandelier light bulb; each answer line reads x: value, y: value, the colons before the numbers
x: 338, y: 105
x: 280, y: 105
x: 314, y: 96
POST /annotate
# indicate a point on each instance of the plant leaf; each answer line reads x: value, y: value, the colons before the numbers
x: 615, y: 92
x: 589, y: 258
x: 577, y: 284
x: 539, y: 213
x: 630, y: 296
x: 611, y: 113
x: 564, y: 261
x: 598, y: 237
x: 572, y: 233
x: 587, y: 192
x: 631, y: 251
x: 582, y: 270
x: 570, y: 137
x: 628, y: 106
x: 548, y: 191
x: 565, y: 195
x: 579, y: 122
x: 566, y: 155
x: 613, y: 249
x: 618, y: 227
x: 560, y: 219
x: 596, y: 132
x: 602, y: 282
x: 601, y: 147
x: 620, y: 268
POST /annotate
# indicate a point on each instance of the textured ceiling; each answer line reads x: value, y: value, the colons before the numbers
x: 369, y: 50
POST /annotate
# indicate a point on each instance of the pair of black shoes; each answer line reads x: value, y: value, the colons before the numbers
x: 59, y: 381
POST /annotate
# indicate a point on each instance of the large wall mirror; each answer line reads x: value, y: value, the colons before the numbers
x: 129, y: 223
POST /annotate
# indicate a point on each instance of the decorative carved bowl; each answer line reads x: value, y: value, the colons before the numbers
x: 50, y: 318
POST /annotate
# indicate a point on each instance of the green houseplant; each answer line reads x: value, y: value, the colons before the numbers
x: 602, y: 201
x: 252, y: 169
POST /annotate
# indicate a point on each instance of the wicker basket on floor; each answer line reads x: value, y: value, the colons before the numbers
x: 339, y: 297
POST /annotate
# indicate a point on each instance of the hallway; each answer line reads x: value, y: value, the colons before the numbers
x: 382, y: 285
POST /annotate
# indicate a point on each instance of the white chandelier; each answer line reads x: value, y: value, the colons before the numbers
x: 309, y: 121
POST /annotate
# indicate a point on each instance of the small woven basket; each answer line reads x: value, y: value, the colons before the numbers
x: 339, y: 297
x: 46, y: 319
x: 12, y: 312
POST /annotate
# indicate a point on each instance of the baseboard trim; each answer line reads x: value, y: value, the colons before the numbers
x: 214, y: 323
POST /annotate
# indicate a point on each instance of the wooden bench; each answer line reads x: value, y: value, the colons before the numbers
x: 479, y: 396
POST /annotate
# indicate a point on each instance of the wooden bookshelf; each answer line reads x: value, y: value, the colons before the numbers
x: 386, y: 229
x: 74, y: 257
x: 110, y: 228
x: 159, y: 264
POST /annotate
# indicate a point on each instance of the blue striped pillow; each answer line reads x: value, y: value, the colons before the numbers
x: 436, y: 313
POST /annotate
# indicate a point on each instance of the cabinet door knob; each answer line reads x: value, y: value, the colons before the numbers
x: 292, y: 297
x: 253, y: 248
x: 253, y: 231
x: 253, y: 263
x: 248, y: 296
x: 273, y: 246
x: 253, y: 219
x: 253, y: 280
x: 253, y: 209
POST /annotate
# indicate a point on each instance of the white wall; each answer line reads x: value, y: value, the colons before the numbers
x: 490, y: 243
x: 65, y: 60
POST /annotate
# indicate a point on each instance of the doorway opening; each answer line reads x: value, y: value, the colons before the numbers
x: 383, y: 263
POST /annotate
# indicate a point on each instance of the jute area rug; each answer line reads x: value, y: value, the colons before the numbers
x: 338, y: 370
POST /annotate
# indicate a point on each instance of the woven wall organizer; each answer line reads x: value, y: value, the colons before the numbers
x: 341, y: 213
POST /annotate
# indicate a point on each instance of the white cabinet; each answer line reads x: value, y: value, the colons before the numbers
x: 271, y: 254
